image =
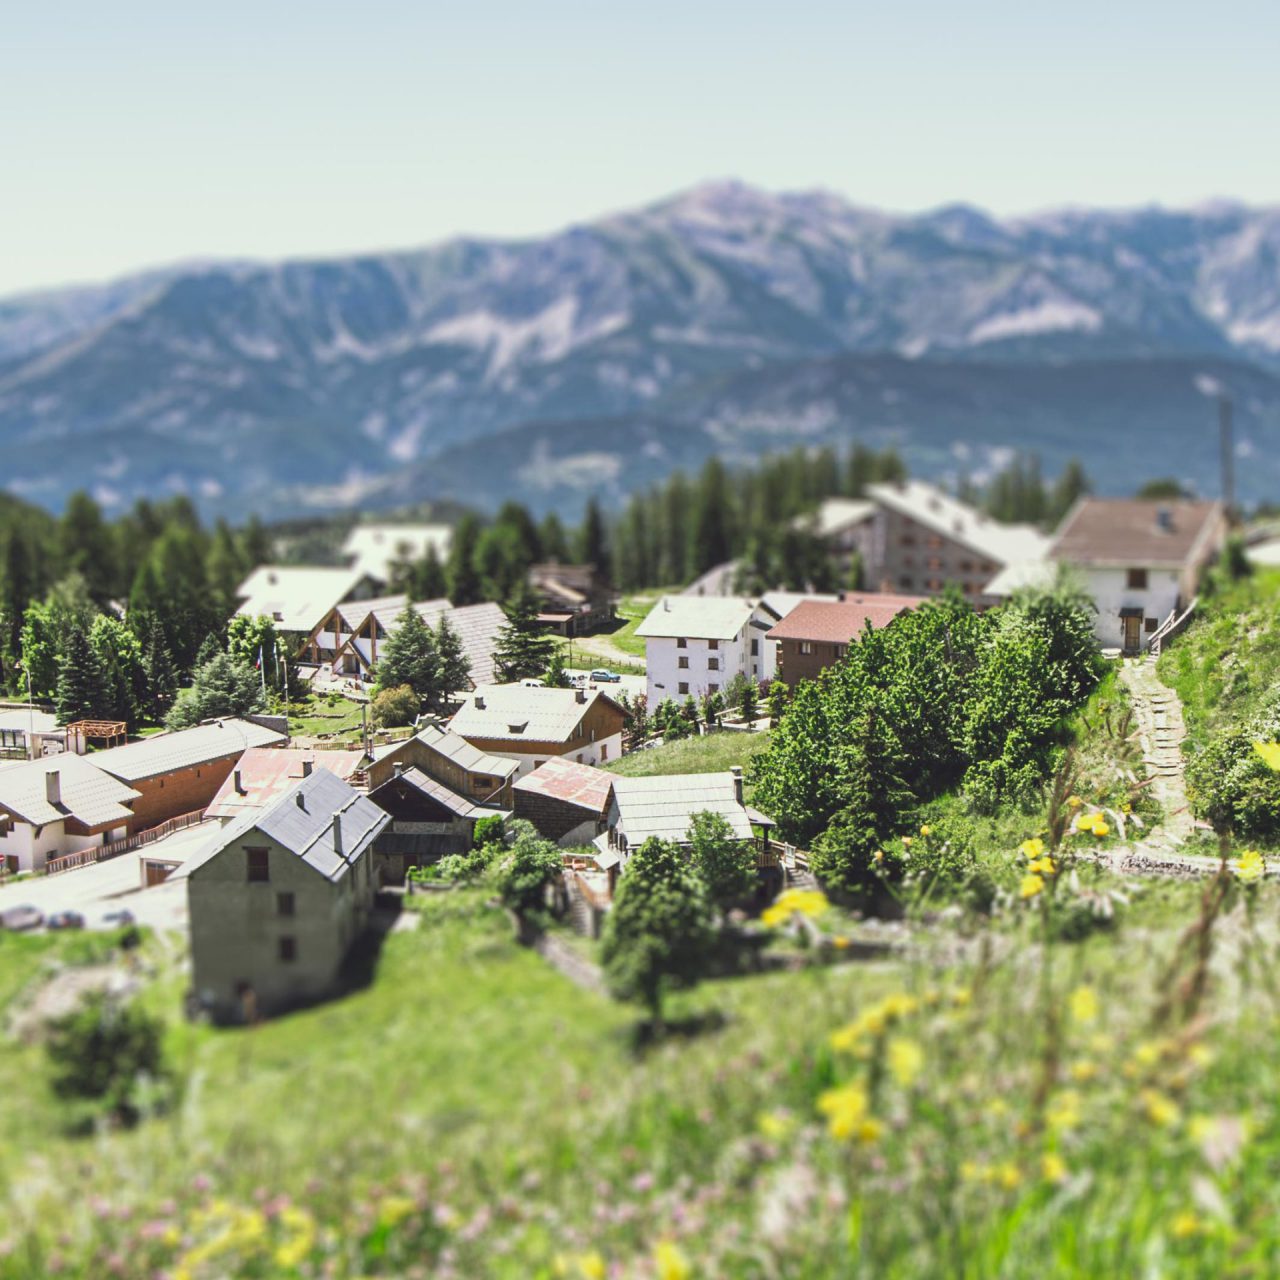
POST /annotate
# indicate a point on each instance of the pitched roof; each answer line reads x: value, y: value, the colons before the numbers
x: 477, y: 626
x: 437, y: 791
x: 930, y: 506
x: 835, y: 515
x: 264, y: 773
x: 699, y: 617
x: 184, y: 748
x: 780, y: 603
x: 302, y: 821
x: 517, y: 712
x: 372, y: 548
x: 1134, y: 531
x: 454, y: 748
x: 354, y: 612
x: 86, y: 793
x: 27, y: 720
x: 577, y: 784
x: 295, y: 597
x: 664, y: 806
x: 840, y: 621
x: 1022, y: 573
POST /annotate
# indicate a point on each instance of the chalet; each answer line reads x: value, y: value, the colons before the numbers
x: 375, y: 550
x: 451, y: 760
x: 1140, y: 561
x: 428, y: 821
x: 566, y: 801
x: 263, y: 774
x: 816, y: 634
x: 180, y: 772
x: 531, y: 725
x: 59, y: 805
x: 477, y: 626
x: 574, y: 598
x: 278, y: 898
x: 922, y: 539
x: 298, y: 597
x: 695, y: 645
x: 339, y: 625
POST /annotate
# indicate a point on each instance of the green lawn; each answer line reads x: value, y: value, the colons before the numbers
x: 319, y: 716
x: 711, y: 753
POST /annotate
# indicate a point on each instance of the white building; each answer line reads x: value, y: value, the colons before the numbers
x: 374, y: 549
x: 297, y: 598
x: 58, y: 805
x: 1139, y: 560
x: 695, y: 645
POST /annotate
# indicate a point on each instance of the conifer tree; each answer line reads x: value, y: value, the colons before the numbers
x: 462, y: 575
x: 524, y: 649
x: 426, y: 580
x: 555, y: 546
x: 593, y: 541
x: 161, y: 678
x: 409, y: 656
x: 78, y: 695
x: 453, y: 667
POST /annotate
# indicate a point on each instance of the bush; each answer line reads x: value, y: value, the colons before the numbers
x: 727, y: 865
x: 109, y: 1054
x: 395, y: 707
x: 489, y: 829
x: 529, y: 867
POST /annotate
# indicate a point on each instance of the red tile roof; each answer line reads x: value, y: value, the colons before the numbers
x: 841, y: 621
x: 268, y: 772
x: 1133, y: 531
x: 577, y: 784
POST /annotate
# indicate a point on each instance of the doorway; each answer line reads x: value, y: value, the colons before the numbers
x: 1132, y: 634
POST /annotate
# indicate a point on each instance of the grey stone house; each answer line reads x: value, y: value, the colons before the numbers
x: 279, y: 896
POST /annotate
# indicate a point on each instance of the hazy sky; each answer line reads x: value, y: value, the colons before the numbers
x: 139, y: 133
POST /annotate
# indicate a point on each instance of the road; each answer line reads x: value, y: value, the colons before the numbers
x: 115, y: 885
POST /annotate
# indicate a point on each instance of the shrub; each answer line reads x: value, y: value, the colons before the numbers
x: 527, y: 869
x: 726, y: 864
x: 489, y: 829
x: 395, y: 707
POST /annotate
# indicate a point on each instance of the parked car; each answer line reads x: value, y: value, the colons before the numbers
x: 118, y: 919
x: 19, y: 918
x: 530, y: 682
x: 65, y: 920
x: 602, y: 675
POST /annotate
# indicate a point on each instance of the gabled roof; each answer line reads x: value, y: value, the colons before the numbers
x: 295, y: 597
x: 184, y: 748
x: 372, y: 548
x: 477, y: 626
x: 1134, y: 531
x: 302, y: 821
x: 576, y: 784
x: 835, y: 515
x: 697, y: 617
x: 354, y: 612
x: 664, y: 806
x: 930, y: 506
x: 86, y: 793
x: 437, y: 791
x: 452, y: 747
x: 781, y: 603
x: 519, y: 713
x: 265, y: 773
x: 840, y: 621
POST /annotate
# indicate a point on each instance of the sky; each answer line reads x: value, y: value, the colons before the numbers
x: 140, y: 134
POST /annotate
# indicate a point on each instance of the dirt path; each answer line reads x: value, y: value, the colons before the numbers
x: 603, y: 647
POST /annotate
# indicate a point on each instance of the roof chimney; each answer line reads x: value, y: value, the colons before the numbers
x: 479, y: 702
x: 239, y: 784
x: 53, y: 787
x: 736, y: 770
x: 337, y: 834
x: 399, y: 767
x: 1164, y: 519
x: 580, y: 694
x: 301, y: 800
x: 307, y: 766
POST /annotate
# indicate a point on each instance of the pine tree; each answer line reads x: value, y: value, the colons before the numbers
x: 85, y: 547
x: 555, y: 546
x: 79, y: 690
x: 225, y: 567
x: 524, y: 647
x: 593, y: 541
x: 556, y: 675
x: 453, y: 667
x: 711, y: 538
x: 161, y: 678
x: 1071, y: 485
x: 427, y: 577
x: 461, y: 574
x: 409, y: 656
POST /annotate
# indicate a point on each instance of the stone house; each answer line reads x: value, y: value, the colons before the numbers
x: 263, y: 774
x: 428, y: 821
x: 278, y: 898
x: 444, y: 756
x: 566, y: 801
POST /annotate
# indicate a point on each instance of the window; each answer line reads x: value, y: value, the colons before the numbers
x: 905, y: 581
x: 755, y: 647
x: 841, y: 650
x: 806, y: 646
x: 682, y: 687
x: 682, y: 643
x: 907, y: 540
x: 284, y: 904
x: 288, y: 949
x: 683, y: 662
x: 713, y: 688
x: 1149, y: 625
x: 1136, y: 580
x: 604, y: 751
x: 258, y: 866
x: 713, y: 664
x: 713, y: 644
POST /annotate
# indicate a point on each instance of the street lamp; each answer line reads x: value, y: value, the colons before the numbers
x: 31, y: 710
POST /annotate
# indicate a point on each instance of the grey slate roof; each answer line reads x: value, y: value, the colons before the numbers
x: 87, y: 794
x: 456, y: 804
x: 184, y: 748
x: 454, y: 748
x: 663, y: 806
x: 302, y: 821
x: 519, y: 713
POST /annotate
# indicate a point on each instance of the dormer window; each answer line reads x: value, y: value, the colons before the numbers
x: 1136, y: 579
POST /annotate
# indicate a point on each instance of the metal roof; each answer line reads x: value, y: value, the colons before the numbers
x: 664, y: 806
x: 86, y: 793
x: 184, y: 748
x: 699, y: 617
x: 295, y: 597
x: 419, y: 781
x: 477, y: 626
x: 265, y: 773
x: 835, y: 515
x: 582, y: 785
x: 28, y: 721
x: 303, y: 821
x: 520, y: 713
x: 454, y: 748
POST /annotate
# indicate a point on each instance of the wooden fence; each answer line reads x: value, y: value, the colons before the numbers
x: 101, y: 852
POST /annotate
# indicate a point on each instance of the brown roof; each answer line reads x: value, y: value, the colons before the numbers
x: 1133, y: 531
x: 840, y: 621
x: 268, y: 772
x: 577, y: 784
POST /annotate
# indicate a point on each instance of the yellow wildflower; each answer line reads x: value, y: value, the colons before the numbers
x: 293, y: 1253
x: 1008, y: 1175
x: 775, y: 1125
x: 591, y: 1266
x: 1063, y: 1111
x: 926, y: 829
x: 906, y: 842
x: 1270, y: 753
x: 840, y: 942
x: 961, y: 997
x: 1053, y: 1167
x: 906, y: 1060
x: 970, y: 1171
x: 1033, y: 848
x: 1082, y: 1071
x: 997, y: 1107
x: 804, y: 902
x: 1074, y: 801
x: 1250, y: 867
x: 1185, y: 1225
x: 1030, y: 886
x: 1083, y: 1003
x: 1041, y: 866
x: 671, y: 1262
x: 878, y: 855
x: 847, y: 1112
x: 395, y: 1209
x: 1160, y: 1109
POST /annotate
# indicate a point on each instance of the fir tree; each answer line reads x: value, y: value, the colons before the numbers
x: 161, y: 678
x: 524, y: 648
x: 555, y: 546
x: 409, y: 656
x: 453, y: 667
x: 556, y: 676
x: 462, y: 575
x: 78, y: 695
x: 593, y: 541
x: 427, y: 577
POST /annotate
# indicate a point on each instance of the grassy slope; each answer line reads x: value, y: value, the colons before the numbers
x: 711, y: 753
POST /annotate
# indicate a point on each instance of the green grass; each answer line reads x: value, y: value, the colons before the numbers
x: 633, y: 609
x: 712, y: 753
x: 332, y: 714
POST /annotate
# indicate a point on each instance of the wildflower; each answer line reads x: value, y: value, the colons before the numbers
x: 906, y: 1059
x: 840, y: 942
x: 671, y: 1261
x: 878, y: 855
x: 1083, y: 1003
x: 1030, y: 886
x: 1082, y: 1071
x: 1008, y: 1175
x: 775, y: 1125
x: 971, y: 1171
x: 906, y: 842
x: 395, y: 1209
x: 1270, y: 753
x: 591, y: 1266
x: 847, y: 1112
x: 1101, y: 828
x: 1033, y: 848
x: 1063, y: 1112
x: 1053, y: 1167
x: 926, y: 830
x: 1250, y: 867
x: 804, y: 902
x: 1074, y: 802
x: 1041, y: 866
x: 1185, y: 1225
x: 1160, y: 1109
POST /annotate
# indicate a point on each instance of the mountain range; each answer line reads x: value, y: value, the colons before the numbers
x: 726, y: 319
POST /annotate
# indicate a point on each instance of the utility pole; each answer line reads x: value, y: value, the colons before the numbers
x: 1228, y: 454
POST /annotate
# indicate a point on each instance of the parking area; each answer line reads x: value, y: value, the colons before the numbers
x: 101, y: 888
